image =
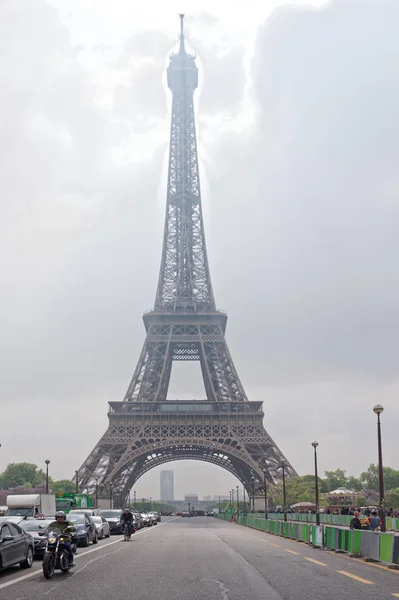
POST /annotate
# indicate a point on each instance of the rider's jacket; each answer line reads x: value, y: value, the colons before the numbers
x: 126, y: 517
x: 62, y: 526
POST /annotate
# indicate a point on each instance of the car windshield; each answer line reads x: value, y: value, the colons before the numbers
x: 109, y: 514
x: 34, y: 525
x: 76, y: 518
x: 20, y: 512
x: 97, y: 520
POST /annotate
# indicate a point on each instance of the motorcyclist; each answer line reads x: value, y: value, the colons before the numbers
x: 62, y: 524
x: 127, y: 520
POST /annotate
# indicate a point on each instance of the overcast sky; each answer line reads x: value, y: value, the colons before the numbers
x: 298, y: 124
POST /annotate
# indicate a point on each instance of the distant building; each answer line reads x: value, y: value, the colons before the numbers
x: 191, y: 498
x: 167, y: 486
x: 207, y: 499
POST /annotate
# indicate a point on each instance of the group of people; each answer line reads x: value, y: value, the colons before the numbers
x: 372, y: 521
x: 68, y: 529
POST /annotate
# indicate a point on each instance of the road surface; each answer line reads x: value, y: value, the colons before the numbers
x: 203, y: 558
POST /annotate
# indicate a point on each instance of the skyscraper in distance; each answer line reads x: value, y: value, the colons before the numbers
x: 167, y: 486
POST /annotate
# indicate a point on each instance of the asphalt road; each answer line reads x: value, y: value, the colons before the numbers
x: 204, y: 558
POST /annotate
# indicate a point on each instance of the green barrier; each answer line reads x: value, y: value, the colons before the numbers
x: 354, y: 541
x: 386, y: 547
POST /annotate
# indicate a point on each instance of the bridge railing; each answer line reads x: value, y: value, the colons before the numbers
x: 392, y: 524
x: 383, y: 547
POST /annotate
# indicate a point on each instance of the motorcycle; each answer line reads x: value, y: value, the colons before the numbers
x: 56, y: 555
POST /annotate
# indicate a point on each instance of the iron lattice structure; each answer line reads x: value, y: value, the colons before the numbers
x: 146, y: 429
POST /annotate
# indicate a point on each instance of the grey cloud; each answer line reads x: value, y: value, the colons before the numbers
x: 305, y: 203
x: 308, y: 196
x: 144, y: 100
x: 224, y: 80
x: 150, y: 44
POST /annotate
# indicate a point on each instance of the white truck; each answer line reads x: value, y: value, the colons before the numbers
x: 30, y: 505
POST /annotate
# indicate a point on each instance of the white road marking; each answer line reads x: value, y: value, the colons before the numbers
x: 96, y: 549
x: 223, y: 589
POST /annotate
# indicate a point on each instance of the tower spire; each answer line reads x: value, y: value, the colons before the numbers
x: 181, y: 49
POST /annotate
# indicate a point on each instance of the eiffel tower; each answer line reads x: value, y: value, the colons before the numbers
x: 146, y: 429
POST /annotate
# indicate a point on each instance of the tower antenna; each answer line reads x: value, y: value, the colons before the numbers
x: 181, y: 49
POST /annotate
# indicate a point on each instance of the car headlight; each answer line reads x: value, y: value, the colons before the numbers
x: 52, y: 540
x: 82, y: 532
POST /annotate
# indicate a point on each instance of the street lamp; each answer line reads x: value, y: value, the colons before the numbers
x: 378, y: 409
x: 284, y: 491
x: 316, y: 483
x: 110, y: 495
x: 134, y: 499
x: 47, y: 464
x: 238, y: 504
x: 219, y: 504
x: 96, y: 480
x: 232, y: 499
x: 265, y: 488
x: 253, y: 493
x: 76, y: 482
x: 243, y: 492
x: 150, y: 503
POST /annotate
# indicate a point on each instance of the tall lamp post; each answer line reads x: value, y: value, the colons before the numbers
x: 47, y: 464
x: 238, y: 503
x: 265, y: 489
x: 134, y: 499
x: 378, y: 409
x: 96, y: 480
x: 219, y: 503
x: 110, y: 495
x: 232, y: 499
x: 243, y: 492
x: 316, y: 483
x: 284, y: 491
x: 253, y: 493
x: 76, y: 482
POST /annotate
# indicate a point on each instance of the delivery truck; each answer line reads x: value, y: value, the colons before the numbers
x: 30, y: 505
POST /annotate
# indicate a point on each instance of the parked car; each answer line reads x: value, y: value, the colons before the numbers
x: 92, y: 512
x: 147, y: 520
x: 186, y: 514
x: 36, y: 528
x: 138, y: 520
x: 154, y: 517
x: 85, y: 528
x: 113, y: 517
x: 102, y: 526
x: 16, y: 546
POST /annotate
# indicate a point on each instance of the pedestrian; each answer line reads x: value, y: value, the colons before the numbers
x: 355, y: 521
x: 373, y: 520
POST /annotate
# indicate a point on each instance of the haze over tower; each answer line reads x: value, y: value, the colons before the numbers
x: 146, y: 429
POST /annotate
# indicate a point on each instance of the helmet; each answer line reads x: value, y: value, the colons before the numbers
x: 60, y: 513
x: 126, y: 510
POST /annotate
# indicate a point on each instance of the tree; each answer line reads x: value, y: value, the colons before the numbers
x: 392, y: 498
x: 354, y: 483
x: 63, y: 485
x: 334, y: 480
x: 18, y: 474
x: 298, y: 489
x: 370, y: 478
